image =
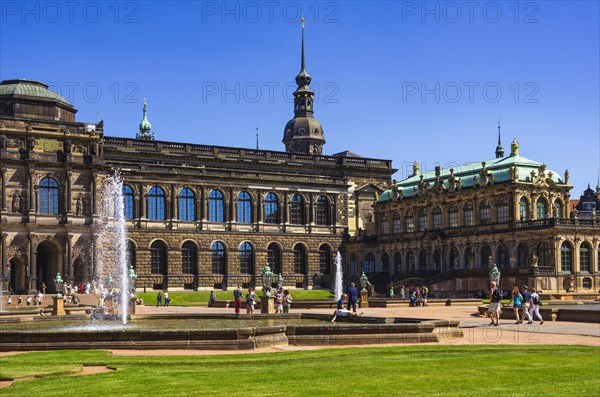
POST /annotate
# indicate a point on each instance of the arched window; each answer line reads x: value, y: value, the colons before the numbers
x: 384, y: 225
x: 131, y: 254
x: 544, y: 251
x: 584, y: 257
x: 423, y: 262
x: 187, y: 205
x: 397, y: 261
x: 468, y: 215
x: 322, y: 211
x: 369, y: 265
x: 558, y: 205
x: 128, y: 202
x: 454, y: 258
x: 274, y: 258
x: 158, y: 258
x: 485, y: 213
x: 48, y: 193
x: 522, y: 255
x: 244, y: 208
x: 219, y: 257
x: 524, y: 209
x: 246, y: 258
x: 271, y: 208
x: 503, y: 256
x: 486, y: 253
x: 299, y: 259
x: 325, y: 259
x: 410, y: 260
x: 502, y: 211
x: 453, y: 216
x: 542, y: 208
x: 396, y: 225
x: 385, y: 263
x: 437, y: 259
x: 410, y: 222
x: 437, y: 218
x: 216, y: 207
x: 297, y: 210
x: 423, y: 220
x: 156, y: 204
x: 189, y: 255
x: 566, y: 257
x: 469, y: 257
x: 352, y: 265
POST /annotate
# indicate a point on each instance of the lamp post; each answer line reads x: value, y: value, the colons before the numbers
x: 110, y: 284
x: 267, y: 277
x: 132, y: 279
x: 58, y: 284
x: 364, y: 282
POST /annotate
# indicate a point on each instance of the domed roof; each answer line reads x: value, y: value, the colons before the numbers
x: 304, y: 127
x: 29, y: 88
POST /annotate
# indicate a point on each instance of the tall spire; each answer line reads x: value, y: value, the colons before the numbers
x: 303, y: 133
x: 499, y: 148
x: 302, y: 64
x: 598, y: 183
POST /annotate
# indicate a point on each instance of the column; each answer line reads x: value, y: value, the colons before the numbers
x: 32, y: 263
x: 32, y: 201
x: 174, y: 203
x: 311, y: 218
x: 258, y: 210
x: 68, y: 192
x: 4, y: 263
x: 203, y: 204
x: 94, y: 191
x: 93, y: 255
x: 3, y: 198
x: 143, y: 203
x: 70, y: 256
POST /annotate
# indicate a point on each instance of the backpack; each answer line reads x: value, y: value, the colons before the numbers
x: 536, y: 299
x: 497, y: 294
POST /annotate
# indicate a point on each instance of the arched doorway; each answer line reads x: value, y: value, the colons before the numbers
x: 49, y: 263
x: 18, y: 279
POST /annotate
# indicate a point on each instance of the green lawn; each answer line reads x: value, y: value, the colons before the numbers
x: 200, y: 298
x: 388, y: 371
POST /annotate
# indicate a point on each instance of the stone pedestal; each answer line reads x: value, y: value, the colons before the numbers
x: 58, y: 308
x: 364, y: 301
x: 267, y: 304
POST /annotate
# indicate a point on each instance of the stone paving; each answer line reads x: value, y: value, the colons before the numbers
x: 476, y: 329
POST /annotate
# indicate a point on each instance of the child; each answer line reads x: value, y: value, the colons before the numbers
x: 287, y: 301
x: 19, y: 300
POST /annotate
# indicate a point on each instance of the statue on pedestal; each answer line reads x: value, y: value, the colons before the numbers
x: 534, y: 260
x: 495, y: 274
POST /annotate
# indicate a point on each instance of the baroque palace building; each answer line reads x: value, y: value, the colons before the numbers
x: 449, y: 227
x: 198, y: 216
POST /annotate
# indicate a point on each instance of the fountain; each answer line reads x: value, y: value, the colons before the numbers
x: 112, y: 243
x: 337, y: 287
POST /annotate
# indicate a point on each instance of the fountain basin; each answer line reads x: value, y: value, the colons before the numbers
x: 215, y: 332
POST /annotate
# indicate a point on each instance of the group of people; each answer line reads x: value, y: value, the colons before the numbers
x: 283, y: 299
x: 342, y: 309
x: 526, y: 303
x: 418, y: 297
x: 162, y: 298
x: 36, y: 300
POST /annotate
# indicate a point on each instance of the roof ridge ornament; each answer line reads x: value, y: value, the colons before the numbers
x: 514, y: 148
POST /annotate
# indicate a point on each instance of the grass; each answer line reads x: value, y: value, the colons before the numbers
x: 384, y: 371
x: 200, y: 298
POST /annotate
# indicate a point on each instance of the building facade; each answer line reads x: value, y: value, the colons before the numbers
x: 448, y: 228
x: 198, y: 216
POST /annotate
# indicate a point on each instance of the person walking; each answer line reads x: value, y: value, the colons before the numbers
x: 352, y: 297
x: 526, y: 304
x: 166, y: 300
x: 535, y: 307
x: 250, y: 301
x: 402, y: 292
x: 287, y: 301
x: 212, y: 298
x: 494, y: 308
x: 237, y: 299
x: 159, y: 299
x: 517, y: 299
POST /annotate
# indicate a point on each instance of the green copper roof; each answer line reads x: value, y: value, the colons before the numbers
x: 29, y: 88
x: 499, y: 167
x: 145, y: 125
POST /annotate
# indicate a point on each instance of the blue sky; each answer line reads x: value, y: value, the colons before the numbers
x: 398, y: 80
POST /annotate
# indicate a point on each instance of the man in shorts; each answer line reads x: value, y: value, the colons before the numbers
x: 495, y: 304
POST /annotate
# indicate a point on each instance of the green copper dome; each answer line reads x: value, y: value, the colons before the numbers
x: 29, y: 88
x: 145, y: 125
